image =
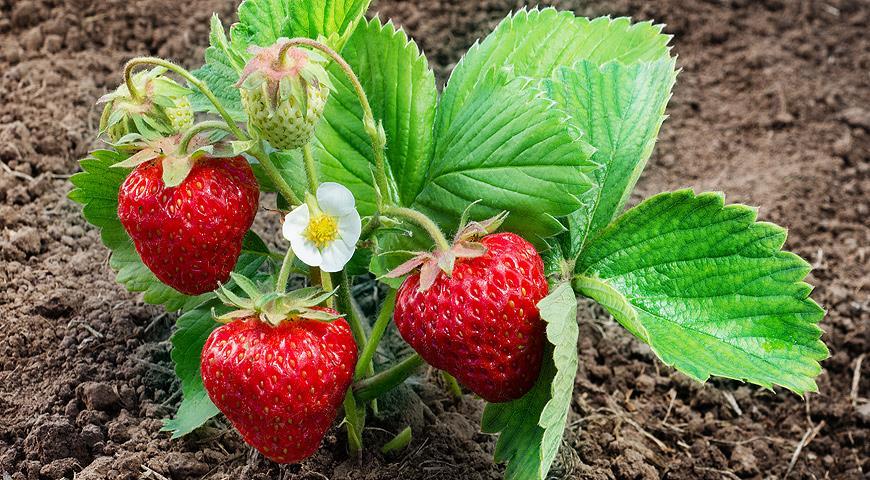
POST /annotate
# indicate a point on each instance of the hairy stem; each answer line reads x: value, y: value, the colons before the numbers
x: 137, y: 95
x: 274, y: 175
x: 363, y: 365
x: 423, y: 221
x: 195, y: 130
x: 375, y: 133
x: 369, y: 228
x: 374, y: 387
x: 284, y: 273
x: 310, y: 169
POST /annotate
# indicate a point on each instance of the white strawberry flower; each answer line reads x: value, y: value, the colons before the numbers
x: 323, y: 231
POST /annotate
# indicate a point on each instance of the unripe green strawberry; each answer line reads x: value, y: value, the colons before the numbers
x: 163, y: 109
x: 181, y: 115
x: 284, y: 95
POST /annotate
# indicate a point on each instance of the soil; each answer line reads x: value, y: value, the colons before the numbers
x: 772, y: 107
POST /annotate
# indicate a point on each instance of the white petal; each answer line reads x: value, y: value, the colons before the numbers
x: 296, y: 222
x: 349, y: 228
x: 335, y: 199
x: 336, y: 255
x: 306, y: 251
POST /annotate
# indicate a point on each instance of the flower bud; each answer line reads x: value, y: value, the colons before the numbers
x: 162, y: 110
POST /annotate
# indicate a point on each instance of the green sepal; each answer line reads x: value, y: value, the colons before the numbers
x: 227, y: 297
x: 175, y: 170
x: 247, y: 286
x: 274, y: 307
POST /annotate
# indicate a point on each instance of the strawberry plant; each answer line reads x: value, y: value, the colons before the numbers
x: 527, y: 157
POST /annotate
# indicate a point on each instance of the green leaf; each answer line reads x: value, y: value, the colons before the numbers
x: 619, y: 108
x: 194, y: 327
x: 97, y: 189
x: 510, y: 148
x: 401, y: 90
x: 262, y: 22
x: 709, y: 289
x: 534, y: 43
x: 336, y: 18
x: 530, y: 428
x: 612, y: 78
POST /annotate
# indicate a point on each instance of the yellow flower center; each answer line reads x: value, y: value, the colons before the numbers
x: 322, y: 230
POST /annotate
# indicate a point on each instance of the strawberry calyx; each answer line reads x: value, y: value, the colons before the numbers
x: 465, y: 246
x: 272, y: 307
x: 470, y: 231
x: 176, y: 155
x: 159, y: 107
x: 284, y: 74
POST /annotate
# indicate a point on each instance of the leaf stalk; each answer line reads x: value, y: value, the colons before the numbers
x: 284, y: 273
x: 374, y: 387
x: 423, y: 221
x: 363, y: 364
x: 274, y: 175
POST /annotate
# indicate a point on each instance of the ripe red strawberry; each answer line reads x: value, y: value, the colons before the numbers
x: 190, y: 235
x: 481, y: 324
x: 280, y: 386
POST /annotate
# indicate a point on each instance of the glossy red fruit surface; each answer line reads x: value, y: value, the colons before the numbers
x: 191, y: 235
x: 481, y: 324
x: 281, y: 387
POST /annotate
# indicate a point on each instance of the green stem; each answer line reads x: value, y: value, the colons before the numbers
x: 104, y: 117
x: 274, y: 175
x: 375, y: 133
x: 374, y: 387
x: 284, y: 273
x: 310, y: 168
x: 369, y: 228
x: 137, y: 95
x: 423, y: 221
x: 326, y: 284
x: 371, y: 346
x: 452, y: 384
x: 346, y: 304
x: 398, y: 442
x: 199, y: 128
x: 355, y: 417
